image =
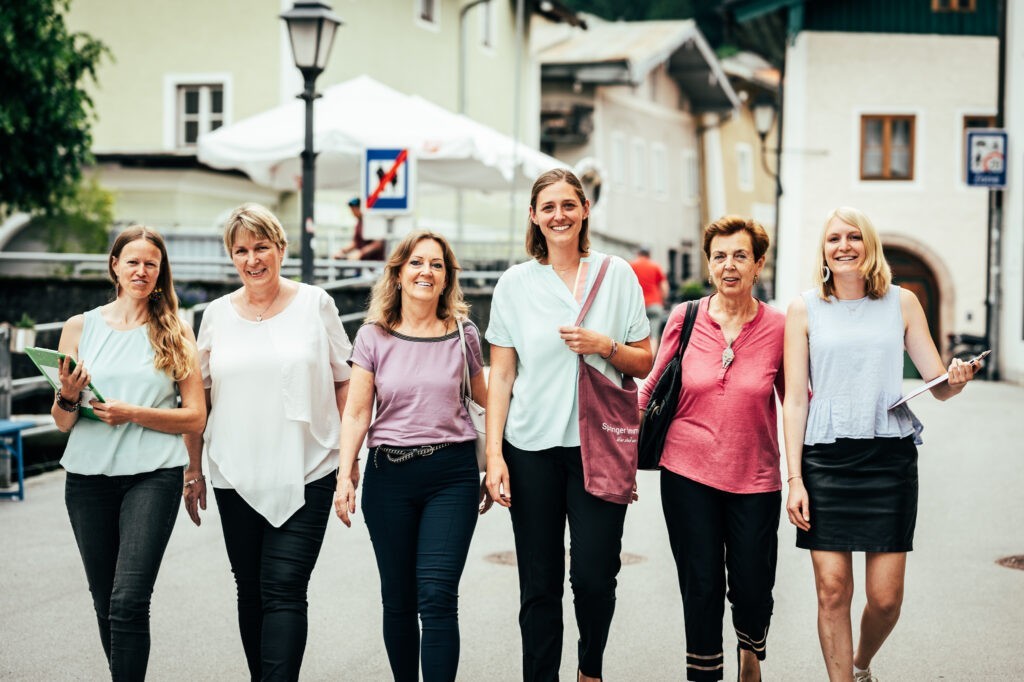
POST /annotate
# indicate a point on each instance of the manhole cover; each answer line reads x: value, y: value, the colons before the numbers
x: 1012, y: 561
x: 508, y: 558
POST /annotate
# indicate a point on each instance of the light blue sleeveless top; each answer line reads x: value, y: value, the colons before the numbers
x: 856, y: 354
x: 121, y: 366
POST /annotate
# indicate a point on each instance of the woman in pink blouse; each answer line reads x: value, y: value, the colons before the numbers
x: 720, y: 483
x: 422, y: 485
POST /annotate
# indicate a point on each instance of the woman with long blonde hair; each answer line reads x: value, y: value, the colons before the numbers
x: 127, y: 467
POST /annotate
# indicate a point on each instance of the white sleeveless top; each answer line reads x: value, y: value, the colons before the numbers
x: 121, y: 365
x: 856, y: 356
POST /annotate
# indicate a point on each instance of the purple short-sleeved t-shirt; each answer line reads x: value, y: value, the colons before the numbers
x: 418, y: 384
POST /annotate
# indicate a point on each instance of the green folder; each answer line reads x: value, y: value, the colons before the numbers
x: 46, y: 361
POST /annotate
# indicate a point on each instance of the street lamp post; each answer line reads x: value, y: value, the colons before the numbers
x: 311, y: 29
x: 765, y: 112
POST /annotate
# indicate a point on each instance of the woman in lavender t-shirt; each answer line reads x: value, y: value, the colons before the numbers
x: 422, y: 487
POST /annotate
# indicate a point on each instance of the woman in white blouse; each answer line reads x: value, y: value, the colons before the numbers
x: 273, y: 356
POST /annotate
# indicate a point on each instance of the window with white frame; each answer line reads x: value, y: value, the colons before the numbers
x: 887, y: 147
x: 429, y: 12
x: 639, y: 166
x: 691, y: 176
x: 198, y: 109
x: 745, y: 167
x: 659, y: 170
x: 618, y: 159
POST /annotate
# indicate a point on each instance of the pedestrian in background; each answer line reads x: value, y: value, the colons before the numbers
x: 720, y: 482
x: 273, y: 356
x: 360, y: 248
x: 125, y: 468
x: 533, y: 438
x: 422, y: 486
x: 852, y: 460
x: 655, y: 287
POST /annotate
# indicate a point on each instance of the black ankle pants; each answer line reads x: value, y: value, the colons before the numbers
x: 715, y: 534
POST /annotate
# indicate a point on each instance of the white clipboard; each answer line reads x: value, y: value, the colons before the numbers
x: 935, y: 382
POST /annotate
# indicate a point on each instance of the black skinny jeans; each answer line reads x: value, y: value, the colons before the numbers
x: 710, y: 531
x: 421, y: 515
x: 122, y: 525
x: 547, y: 489
x: 272, y: 567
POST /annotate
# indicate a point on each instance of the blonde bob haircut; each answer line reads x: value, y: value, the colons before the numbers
x: 259, y: 221
x: 875, y: 270
x: 385, y: 308
x: 536, y: 244
x: 172, y: 352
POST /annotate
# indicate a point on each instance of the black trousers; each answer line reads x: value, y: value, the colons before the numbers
x: 272, y: 567
x: 122, y: 525
x: 547, y: 489
x: 713, y: 532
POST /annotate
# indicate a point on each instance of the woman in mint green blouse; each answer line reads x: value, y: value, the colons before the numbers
x: 125, y: 463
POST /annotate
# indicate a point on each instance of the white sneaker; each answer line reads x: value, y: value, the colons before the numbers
x: 864, y: 676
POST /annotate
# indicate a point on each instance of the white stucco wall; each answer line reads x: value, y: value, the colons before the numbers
x: 1011, y: 361
x: 834, y: 78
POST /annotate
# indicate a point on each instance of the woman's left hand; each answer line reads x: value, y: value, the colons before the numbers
x: 961, y: 372
x: 635, y: 495
x: 194, y: 494
x: 112, y: 412
x: 584, y: 341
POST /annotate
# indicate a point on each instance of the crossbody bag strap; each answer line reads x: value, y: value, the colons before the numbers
x: 593, y: 290
x: 465, y: 361
x: 688, y: 321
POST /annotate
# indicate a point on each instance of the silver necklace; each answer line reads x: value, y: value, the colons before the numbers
x: 728, y: 355
x: 259, y: 316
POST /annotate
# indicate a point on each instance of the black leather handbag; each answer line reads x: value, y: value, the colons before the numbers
x: 661, y: 408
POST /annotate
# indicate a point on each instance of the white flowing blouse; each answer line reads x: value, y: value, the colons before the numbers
x: 273, y: 425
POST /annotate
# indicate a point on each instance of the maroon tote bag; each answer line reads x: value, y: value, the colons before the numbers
x: 609, y: 425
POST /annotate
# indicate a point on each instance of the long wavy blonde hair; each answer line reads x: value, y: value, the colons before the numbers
x: 386, y: 298
x: 171, y: 352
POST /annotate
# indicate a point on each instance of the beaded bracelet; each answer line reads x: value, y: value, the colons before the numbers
x: 66, y: 405
x: 613, y: 351
x: 197, y: 479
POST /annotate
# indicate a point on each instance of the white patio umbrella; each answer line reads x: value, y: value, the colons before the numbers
x: 450, y: 150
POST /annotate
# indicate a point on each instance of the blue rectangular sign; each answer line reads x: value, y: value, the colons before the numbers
x: 985, y: 158
x: 387, y: 181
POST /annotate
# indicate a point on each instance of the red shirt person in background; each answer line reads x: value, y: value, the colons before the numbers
x: 655, y: 287
x: 360, y: 248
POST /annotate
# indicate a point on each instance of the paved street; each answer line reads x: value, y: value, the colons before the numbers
x: 961, y: 620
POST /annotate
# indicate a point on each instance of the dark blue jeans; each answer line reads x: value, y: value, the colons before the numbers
x: 122, y: 525
x: 272, y: 568
x: 547, y: 488
x: 421, y: 515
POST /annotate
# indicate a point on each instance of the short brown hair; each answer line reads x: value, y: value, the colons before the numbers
x: 536, y: 245
x: 259, y: 221
x: 731, y: 224
x: 385, y: 307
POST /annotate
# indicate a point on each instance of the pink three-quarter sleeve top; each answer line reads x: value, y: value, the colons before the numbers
x: 725, y: 431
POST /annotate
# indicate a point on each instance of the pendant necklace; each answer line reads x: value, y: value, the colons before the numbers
x: 727, y: 355
x: 259, y: 316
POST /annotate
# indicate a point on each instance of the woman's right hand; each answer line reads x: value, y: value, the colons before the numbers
x: 73, y: 382
x: 345, y: 495
x: 497, y: 481
x: 798, y: 505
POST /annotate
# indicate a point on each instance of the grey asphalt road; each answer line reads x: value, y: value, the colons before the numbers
x: 962, y: 618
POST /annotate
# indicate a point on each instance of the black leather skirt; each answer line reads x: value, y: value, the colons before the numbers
x: 863, y: 495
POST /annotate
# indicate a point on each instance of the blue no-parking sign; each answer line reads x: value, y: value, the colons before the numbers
x: 387, y: 181
x: 985, y: 158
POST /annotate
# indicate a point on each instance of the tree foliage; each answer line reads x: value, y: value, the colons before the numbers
x: 45, y: 111
x: 80, y: 223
